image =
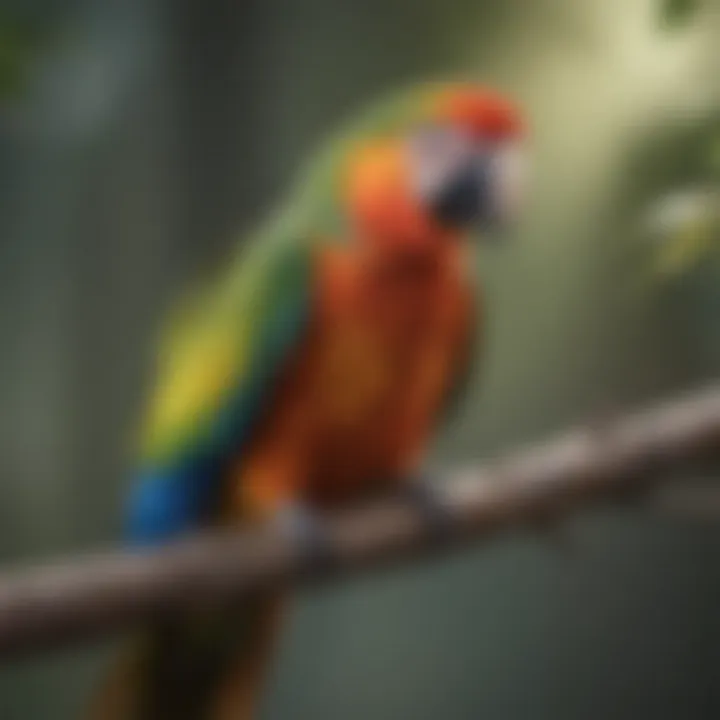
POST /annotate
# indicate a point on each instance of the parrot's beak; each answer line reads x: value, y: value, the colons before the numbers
x: 483, y: 194
x: 461, y: 201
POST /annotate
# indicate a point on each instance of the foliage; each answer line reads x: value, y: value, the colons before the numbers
x: 684, y: 220
x: 675, y: 14
x: 713, y: 155
x: 20, y: 43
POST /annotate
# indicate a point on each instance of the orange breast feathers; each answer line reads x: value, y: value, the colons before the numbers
x: 359, y: 405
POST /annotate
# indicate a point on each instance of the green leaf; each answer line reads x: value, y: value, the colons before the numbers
x: 675, y: 14
x: 713, y: 155
x: 20, y: 45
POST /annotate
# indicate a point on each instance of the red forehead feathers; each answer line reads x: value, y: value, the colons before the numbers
x: 483, y: 111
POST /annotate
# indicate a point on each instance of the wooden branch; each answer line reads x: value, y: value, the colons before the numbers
x: 78, y: 599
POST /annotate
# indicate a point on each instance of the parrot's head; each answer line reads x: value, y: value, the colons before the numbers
x: 455, y: 164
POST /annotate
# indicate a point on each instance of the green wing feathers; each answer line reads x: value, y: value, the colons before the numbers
x: 215, y: 348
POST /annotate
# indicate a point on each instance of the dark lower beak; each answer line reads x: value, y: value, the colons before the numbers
x: 467, y: 199
x: 456, y: 205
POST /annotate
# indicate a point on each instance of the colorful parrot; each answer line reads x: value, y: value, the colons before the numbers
x: 315, y: 371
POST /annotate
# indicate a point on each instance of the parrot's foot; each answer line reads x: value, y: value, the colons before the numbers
x: 305, y: 530
x: 431, y: 502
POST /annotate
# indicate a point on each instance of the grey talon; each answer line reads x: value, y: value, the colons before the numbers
x: 430, y: 501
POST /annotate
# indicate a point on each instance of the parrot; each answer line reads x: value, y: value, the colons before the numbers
x: 313, y: 372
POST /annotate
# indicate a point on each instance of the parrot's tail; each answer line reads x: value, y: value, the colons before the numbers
x: 208, y: 666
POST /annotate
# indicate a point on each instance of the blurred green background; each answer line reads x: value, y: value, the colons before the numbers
x: 139, y: 138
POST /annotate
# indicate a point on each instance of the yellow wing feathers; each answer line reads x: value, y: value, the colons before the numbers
x: 197, y: 371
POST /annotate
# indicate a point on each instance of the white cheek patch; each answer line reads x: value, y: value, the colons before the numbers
x: 436, y: 154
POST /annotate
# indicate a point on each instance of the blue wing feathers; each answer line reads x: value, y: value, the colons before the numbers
x: 167, y: 503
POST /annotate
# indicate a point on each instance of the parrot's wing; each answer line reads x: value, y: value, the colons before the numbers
x: 219, y: 364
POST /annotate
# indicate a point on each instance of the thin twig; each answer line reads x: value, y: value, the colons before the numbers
x: 81, y: 598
